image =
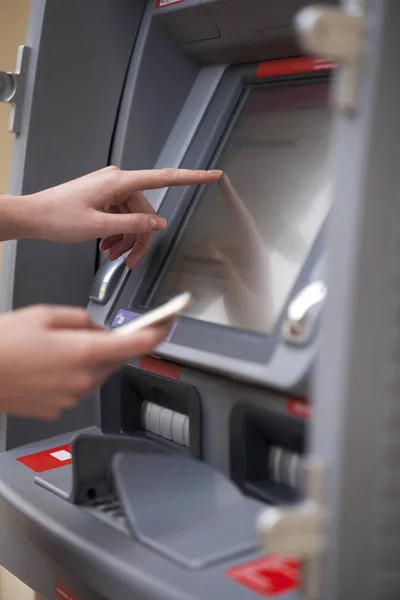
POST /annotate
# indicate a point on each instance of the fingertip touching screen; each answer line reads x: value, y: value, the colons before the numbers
x: 249, y: 235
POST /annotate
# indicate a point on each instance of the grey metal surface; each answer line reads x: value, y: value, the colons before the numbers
x: 356, y: 425
x: 113, y: 565
x: 66, y: 131
x: 233, y: 32
x: 159, y: 79
x: 219, y: 398
x: 199, y: 506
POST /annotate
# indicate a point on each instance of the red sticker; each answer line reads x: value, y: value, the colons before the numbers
x: 53, y: 458
x: 163, y: 3
x: 293, y: 66
x: 299, y: 408
x: 63, y: 593
x: 269, y: 576
x: 160, y: 367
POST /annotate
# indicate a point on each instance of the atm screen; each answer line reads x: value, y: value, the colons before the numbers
x: 248, y: 237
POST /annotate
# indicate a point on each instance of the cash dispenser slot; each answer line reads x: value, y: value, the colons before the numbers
x: 266, y: 454
x: 175, y: 504
x: 150, y: 406
x: 169, y: 424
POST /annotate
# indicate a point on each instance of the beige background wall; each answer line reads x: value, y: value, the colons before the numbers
x: 14, y: 16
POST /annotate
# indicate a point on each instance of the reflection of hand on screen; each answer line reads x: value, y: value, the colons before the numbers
x: 246, y: 277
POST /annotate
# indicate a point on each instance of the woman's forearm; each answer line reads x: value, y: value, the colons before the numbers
x: 18, y: 217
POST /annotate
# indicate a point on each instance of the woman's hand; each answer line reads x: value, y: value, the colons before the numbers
x: 107, y: 204
x: 53, y: 357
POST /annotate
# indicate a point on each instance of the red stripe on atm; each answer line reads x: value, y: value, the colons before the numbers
x: 293, y: 66
x: 47, y: 460
x: 299, y: 408
x: 269, y: 576
x: 160, y: 367
x: 63, y: 593
x: 164, y: 3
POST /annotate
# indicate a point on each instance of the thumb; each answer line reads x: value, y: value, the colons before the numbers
x: 66, y: 317
x: 134, y: 223
x: 107, y: 348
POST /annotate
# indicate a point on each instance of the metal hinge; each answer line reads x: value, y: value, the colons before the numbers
x: 297, y: 326
x: 299, y: 531
x: 12, y: 88
x: 337, y: 34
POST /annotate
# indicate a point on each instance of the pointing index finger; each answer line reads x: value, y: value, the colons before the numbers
x: 161, y: 178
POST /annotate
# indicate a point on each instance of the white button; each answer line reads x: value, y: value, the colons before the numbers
x: 166, y: 423
x: 153, y: 418
x: 178, y: 428
x: 145, y: 415
x: 61, y: 455
x: 186, y: 432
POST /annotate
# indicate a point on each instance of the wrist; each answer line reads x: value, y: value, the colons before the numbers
x: 20, y: 217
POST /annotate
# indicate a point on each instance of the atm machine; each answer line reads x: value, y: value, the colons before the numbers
x: 232, y: 463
